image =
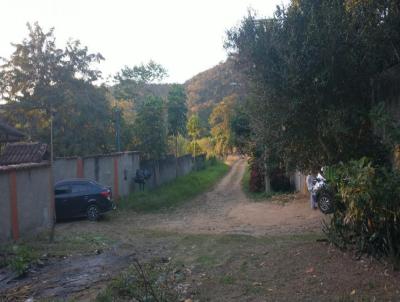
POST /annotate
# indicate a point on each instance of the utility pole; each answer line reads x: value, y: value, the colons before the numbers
x: 51, y: 137
x: 52, y: 230
x: 117, y: 113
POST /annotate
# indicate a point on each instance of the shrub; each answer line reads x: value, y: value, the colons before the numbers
x: 156, y: 281
x: 367, y: 210
x: 19, y: 258
x: 257, y: 180
x: 279, y: 180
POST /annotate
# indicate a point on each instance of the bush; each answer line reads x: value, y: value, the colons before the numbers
x: 257, y: 180
x: 18, y: 258
x: 280, y: 182
x: 367, y: 210
x: 156, y: 281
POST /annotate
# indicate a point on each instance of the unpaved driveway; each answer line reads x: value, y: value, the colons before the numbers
x: 268, y: 265
x: 226, y: 209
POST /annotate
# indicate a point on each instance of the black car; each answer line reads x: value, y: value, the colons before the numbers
x: 80, y: 198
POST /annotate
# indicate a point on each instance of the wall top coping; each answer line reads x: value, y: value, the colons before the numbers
x: 98, y: 155
x: 25, y: 166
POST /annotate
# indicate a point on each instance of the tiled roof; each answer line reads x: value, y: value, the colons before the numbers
x: 9, y: 134
x: 19, y: 153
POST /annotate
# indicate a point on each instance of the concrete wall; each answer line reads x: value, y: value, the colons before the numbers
x: 185, y: 164
x: 26, y: 206
x: 166, y: 170
x: 27, y: 201
x: 116, y: 170
x: 299, y: 182
x: 5, y: 209
x: 64, y: 168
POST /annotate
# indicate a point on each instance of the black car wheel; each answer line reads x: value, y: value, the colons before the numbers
x: 325, y: 203
x: 93, y: 213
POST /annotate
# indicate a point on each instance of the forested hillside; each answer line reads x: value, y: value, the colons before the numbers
x: 206, y: 89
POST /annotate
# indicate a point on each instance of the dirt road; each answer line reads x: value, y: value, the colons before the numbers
x: 227, y: 210
x: 233, y: 249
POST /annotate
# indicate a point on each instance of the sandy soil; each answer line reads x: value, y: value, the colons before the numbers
x: 226, y: 209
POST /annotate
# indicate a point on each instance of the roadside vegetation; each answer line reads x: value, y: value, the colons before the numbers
x: 317, y: 100
x: 18, y: 258
x: 178, y: 191
x: 225, y: 267
x: 251, y: 194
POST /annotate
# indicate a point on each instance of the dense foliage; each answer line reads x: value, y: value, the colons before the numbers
x: 208, y: 88
x: 221, y: 125
x: 321, y: 75
x: 312, y: 69
x: 177, y: 114
x: 40, y: 81
x: 150, y: 128
x: 367, y: 208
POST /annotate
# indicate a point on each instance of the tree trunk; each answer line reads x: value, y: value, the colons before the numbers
x: 194, y: 154
x: 176, y: 155
x: 266, y: 176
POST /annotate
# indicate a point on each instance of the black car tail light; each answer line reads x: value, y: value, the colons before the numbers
x: 106, y: 194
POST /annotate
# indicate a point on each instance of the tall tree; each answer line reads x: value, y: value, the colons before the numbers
x: 194, y: 131
x: 150, y: 128
x: 221, y: 125
x: 177, y: 113
x: 311, y: 68
x: 40, y: 79
x: 132, y: 88
x: 131, y: 82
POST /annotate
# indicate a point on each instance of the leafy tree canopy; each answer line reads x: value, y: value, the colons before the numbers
x: 221, y: 128
x: 177, y: 110
x: 311, y: 69
x: 150, y: 128
x: 133, y: 83
x: 40, y: 79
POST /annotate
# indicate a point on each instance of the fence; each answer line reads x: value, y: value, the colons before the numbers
x: 298, y: 181
x: 26, y: 206
x: 165, y: 170
x: 27, y: 202
x: 116, y: 170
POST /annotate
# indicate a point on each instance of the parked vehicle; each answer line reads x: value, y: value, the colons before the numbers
x: 82, y: 198
x: 324, y: 195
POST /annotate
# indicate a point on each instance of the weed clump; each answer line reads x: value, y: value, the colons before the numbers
x: 367, y: 209
x: 155, y: 281
x: 18, y: 258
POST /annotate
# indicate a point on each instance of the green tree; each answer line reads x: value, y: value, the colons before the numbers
x: 133, y: 86
x: 131, y: 82
x: 177, y: 113
x: 194, y: 131
x: 150, y: 128
x: 311, y: 68
x: 40, y: 79
x: 220, y: 121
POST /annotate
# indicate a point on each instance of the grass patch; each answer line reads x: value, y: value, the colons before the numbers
x: 176, y: 192
x: 18, y: 258
x: 227, y: 280
x: 153, y: 281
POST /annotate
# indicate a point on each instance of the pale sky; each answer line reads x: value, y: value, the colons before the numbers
x: 185, y: 36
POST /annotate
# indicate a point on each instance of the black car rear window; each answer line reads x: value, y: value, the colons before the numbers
x: 80, y: 188
x: 62, y: 189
